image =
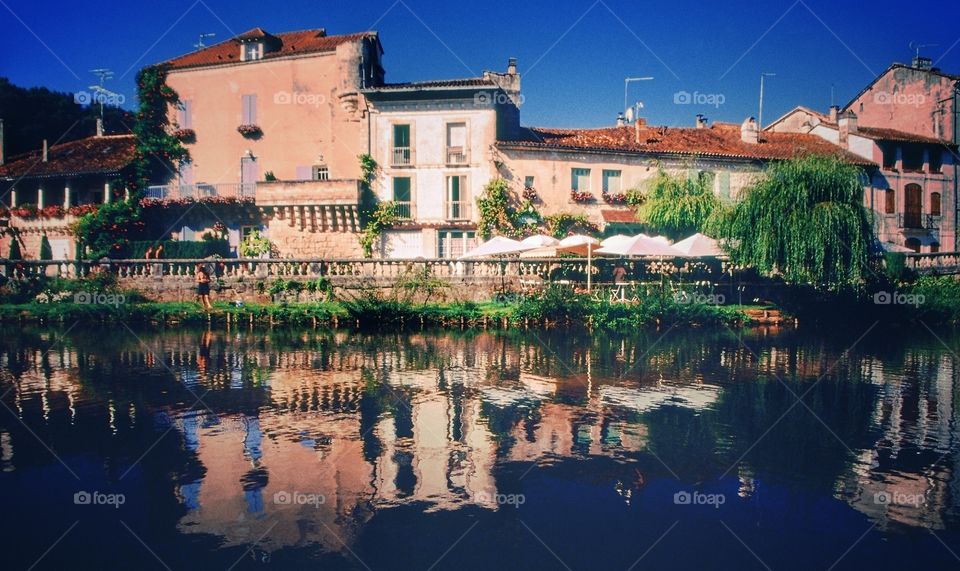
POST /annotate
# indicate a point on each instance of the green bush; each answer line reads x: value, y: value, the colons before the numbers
x: 178, y: 249
x: 14, y: 253
x: 46, y: 252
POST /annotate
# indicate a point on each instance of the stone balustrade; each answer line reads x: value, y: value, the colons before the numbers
x: 941, y: 263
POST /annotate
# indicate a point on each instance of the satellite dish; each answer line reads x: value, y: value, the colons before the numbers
x: 629, y: 115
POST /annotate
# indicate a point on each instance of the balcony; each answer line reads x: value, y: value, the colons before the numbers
x: 238, y: 190
x: 456, y: 156
x: 916, y: 221
x: 402, y: 157
x: 403, y: 210
x: 457, y: 210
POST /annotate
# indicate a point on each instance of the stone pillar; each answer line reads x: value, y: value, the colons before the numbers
x: 899, y: 163
x: 66, y: 196
x: 126, y: 193
x: 40, y: 203
x: 13, y: 197
x: 428, y: 247
x: 926, y: 160
x: 106, y: 192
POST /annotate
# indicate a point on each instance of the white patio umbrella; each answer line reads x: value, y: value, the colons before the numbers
x: 891, y: 247
x: 496, y: 246
x: 538, y: 241
x: 615, y: 239
x: 578, y: 244
x: 699, y: 245
x: 662, y: 239
x: 640, y: 246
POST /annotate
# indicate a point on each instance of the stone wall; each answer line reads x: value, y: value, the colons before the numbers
x: 292, y: 242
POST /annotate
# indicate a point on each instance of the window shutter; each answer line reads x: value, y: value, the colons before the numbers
x: 304, y: 173
x: 250, y: 109
x: 457, y: 135
x: 186, y: 114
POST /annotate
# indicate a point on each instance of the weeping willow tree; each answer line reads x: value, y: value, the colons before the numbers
x: 678, y: 206
x: 805, y: 221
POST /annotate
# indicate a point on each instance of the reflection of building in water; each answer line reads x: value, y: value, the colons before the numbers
x: 912, y: 472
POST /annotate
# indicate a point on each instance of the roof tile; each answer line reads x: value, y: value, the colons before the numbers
x: 93, y: 155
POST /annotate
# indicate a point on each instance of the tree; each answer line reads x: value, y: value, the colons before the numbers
x: 46, y: 252
x: 678, y: 206
x: 805, y: 221
x: 15, y: 249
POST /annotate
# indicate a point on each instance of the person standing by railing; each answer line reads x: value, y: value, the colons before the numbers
x: 203, y: 286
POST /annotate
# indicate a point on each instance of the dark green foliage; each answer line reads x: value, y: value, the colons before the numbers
x: 804, y: 221
x: 677, y: 206
x: 46, y: 252
x: 173, y: 249
x: 14, y: 253
x: 109, y: 230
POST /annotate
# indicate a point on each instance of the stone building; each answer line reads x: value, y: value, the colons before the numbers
x: 590, y: 171
x: 279, y: 117
x: 905, y: 121
x: 433, y: 143
x: 46, y: 190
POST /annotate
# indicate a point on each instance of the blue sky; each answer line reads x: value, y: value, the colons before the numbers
x: 574, y: 54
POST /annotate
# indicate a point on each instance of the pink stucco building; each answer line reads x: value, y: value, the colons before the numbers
x: 905, y: 121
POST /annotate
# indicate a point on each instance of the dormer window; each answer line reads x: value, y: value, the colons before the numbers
x: 251, y: 51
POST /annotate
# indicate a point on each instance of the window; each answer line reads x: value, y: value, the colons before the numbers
x: 611, y: 182
x: 890, y: 201
x: 456, y: 143
x: 936, y: 160
x: 186, y: 173
x: 935, y: 203
x: 889, y: 156
x: 185, y: 114
x: 458, y: 206
x: 528, y: 182
x: 580, y: 180
x: 402, y: 196
x: 251, y: 51
x: 249, y: 104
x: 401, y: 145
x: 913, y: 244
x: 934, y: 248
x: 453, y: 244
x: 912, y: 158
x: 321, y: 172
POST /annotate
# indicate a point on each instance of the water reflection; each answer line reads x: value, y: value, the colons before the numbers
x: 296, y: 439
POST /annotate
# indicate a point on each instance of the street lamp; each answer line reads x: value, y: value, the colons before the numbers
x: 760, y: 114
x: 626, y: 83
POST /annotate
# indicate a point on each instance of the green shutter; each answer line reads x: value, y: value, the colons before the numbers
x: 401, y: 135
x: 724, y: 185
x: 401, y: 189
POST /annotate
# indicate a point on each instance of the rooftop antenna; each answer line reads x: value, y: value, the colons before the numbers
x: 200, y: 45
x: 104, y: 74
x: 832, y: 102
x: 760, y: 114
x: 626, y: 83
x: 916, y: 47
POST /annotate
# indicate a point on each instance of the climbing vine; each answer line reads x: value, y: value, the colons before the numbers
x: 382, y: 217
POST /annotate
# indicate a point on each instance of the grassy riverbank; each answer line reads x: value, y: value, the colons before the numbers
x: 552, y: 308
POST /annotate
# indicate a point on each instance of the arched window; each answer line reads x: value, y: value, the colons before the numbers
x: 913, y: 244
x: 890, y: 201
x: 935, y: 203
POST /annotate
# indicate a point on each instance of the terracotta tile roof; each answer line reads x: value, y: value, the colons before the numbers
x: 287, y: 44
x: 718, y: 140
x: 623, y: 216
x: 442, y: 83
x: 93, y: 155
x: 885, y: 134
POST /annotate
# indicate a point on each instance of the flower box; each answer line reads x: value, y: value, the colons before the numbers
x: 186, y: 135
x: 530, y: 194
x: 581, y: 197
x: 617, y: 198
x: 250, y: 130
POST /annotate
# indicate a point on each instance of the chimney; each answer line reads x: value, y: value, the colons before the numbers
x: 99, y: 127
x: 636, y: 129
x: 621, y: 120
x: 847, y: 125
x: 701, y: 121
x: 44, y: 150
x: 834, y: 111
x: 512, y: 66
x: 749, y: 132
x: 923, y: 63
